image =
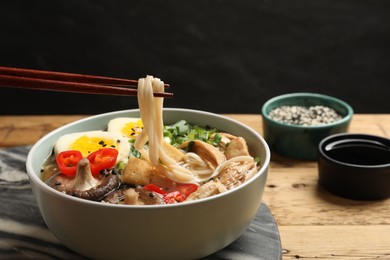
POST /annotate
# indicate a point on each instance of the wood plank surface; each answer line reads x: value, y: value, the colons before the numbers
x: 313, y: 223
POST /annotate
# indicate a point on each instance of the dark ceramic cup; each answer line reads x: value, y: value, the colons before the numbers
x: 301, y: 142
x: 355, y: 166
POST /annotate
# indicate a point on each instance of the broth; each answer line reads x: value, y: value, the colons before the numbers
x: 360, y: 152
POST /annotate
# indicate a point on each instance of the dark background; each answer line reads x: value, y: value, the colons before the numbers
x: 224, y: 56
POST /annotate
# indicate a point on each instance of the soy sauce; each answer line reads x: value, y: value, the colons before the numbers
x: 360, y: 152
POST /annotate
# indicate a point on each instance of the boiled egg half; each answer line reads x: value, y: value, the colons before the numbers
x: 91, y: 141
x: 127, y: 126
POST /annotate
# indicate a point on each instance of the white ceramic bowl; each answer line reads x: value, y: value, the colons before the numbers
x: 180, y: 231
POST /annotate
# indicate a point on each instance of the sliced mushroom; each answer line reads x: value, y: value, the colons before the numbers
x: 140, y: 196
x: 236, y: 147
x: 84, y: 179
x: 116, y: 196
x: 149, y: 197
x: 205, y: 151
x: 84, y: 185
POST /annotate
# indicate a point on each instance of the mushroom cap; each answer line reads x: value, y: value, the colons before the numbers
x: 84, y: 185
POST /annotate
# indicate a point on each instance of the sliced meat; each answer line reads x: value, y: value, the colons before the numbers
x: 208, y: 189
x: 140, y: 196
x: 206, y: 151
x: 236, y: 147
x: 173, y: 152
x: 236, y: 173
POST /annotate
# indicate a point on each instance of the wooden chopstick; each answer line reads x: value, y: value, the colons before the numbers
x: 69, y: 82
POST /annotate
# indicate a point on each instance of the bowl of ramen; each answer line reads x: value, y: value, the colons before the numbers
x: 295, y: 123
x: 149, y: 183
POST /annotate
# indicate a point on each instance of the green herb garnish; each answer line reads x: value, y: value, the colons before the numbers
x: 182, y: 131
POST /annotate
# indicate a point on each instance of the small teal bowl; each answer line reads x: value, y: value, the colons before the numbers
x: 297, y: 141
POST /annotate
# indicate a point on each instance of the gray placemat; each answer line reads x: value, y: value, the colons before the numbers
x: 24, y: 234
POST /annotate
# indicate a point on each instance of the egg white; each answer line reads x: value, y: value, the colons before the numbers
x: 65, y: 142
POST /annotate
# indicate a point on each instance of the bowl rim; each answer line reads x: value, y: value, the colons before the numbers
x: 343, y: 120
x: 340, y: 136
x: 44, y: 187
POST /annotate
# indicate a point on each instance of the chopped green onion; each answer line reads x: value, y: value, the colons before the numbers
x: 182, y: 131
x: 182, y: 127
x: 121, y: 165
x: 135, y: 152
x: 257, y: 160
x: 191, y: 135
x: 217, y: 138
x: 168, y: 140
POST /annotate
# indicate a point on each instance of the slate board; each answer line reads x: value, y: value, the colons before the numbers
x: 24, y: 234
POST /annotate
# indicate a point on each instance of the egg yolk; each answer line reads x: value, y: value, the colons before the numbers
x: 87, y: 145
x: 132, y: 129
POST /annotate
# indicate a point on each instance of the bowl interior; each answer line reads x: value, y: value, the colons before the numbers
x: 43, y: 148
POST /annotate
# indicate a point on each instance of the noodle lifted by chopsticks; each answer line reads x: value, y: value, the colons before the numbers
x: 152, y: 117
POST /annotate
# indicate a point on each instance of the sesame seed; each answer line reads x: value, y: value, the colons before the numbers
x: 305, y: 116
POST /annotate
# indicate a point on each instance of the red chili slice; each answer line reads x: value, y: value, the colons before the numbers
x: 154, y: 188
x: 179, y: 193
x: 174, y: 196
x: 101, y: 159
x: 185, y: 189
x: 67, y: 161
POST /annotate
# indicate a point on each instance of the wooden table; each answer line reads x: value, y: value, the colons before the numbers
x: 312, y: 222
